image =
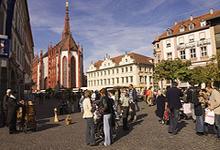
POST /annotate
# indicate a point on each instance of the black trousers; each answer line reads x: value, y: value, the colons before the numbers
x: 125, y: 117
x: 12, y: 119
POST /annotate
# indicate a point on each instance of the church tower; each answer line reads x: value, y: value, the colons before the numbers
x: 68, y: 56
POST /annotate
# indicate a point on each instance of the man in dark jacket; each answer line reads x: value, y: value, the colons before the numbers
x: 2, y: 120
x: 174, y: 104
x: 133, y: 102
x: 5, y: 106
x: 192, y: 97
x: 107, y: 105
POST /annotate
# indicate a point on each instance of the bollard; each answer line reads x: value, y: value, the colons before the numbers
x: 55, y: 115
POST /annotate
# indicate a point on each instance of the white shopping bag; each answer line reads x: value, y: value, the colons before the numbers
x: 209, y: 117
x: 187, y: 108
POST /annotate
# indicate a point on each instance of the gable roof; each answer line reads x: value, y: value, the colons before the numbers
x: 138, y: 58
x: 196, y: 21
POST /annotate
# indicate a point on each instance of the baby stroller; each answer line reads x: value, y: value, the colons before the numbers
x: 26, y: 117
x: 98, y: 120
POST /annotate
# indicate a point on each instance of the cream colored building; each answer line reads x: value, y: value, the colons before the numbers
x: 192, y: 39
x: 122, y: 70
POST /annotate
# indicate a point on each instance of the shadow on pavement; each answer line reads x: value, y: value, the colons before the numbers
x: 46, y: 126
x: 121, y: 133
x: 181, y: 125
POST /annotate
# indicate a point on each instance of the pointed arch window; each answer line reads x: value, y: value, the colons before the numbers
x: 73, y: 72
x: 64, y: 68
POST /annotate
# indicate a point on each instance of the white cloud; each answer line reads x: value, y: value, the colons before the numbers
x: 99, y: 28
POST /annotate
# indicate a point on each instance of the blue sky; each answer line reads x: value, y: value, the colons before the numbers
x: 111, y: 26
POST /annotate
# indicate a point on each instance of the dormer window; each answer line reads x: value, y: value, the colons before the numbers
x: 203, y: 23
x: 191, y: 26
x: 169, y: 32
x: 182, y: 28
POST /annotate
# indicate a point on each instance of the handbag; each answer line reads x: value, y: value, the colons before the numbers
x: 166, y: 115
x: 209, y: 116
x: 187, y: 108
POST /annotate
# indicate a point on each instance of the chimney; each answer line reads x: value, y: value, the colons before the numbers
x: 191, y: 17
x: 175, y: 23
x: 211, y: 11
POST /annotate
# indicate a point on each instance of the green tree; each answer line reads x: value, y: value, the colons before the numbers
x: 172, y: 70
x: 204, y: 74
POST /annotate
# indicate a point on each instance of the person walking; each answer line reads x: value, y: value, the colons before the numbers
x: 149, y: 96
x: 174, y: 104
x: 133, y: 102
x: 214, y: 104
x: 160, y: 101
x: 125, y: 107
x: 193, y: 97
x: 88, y: 116
x: 107, y: 116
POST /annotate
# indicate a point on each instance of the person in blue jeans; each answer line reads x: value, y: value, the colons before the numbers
x: 108, y: 111
x: 173, y: 96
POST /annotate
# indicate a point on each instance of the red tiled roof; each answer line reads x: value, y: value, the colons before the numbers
x: 196, y: 21
x: 140, y: 59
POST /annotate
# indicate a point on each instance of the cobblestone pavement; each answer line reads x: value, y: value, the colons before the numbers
x: 145, y: 134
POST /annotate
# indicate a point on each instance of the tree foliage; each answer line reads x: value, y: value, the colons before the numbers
x: 178, y: 69
x: 172, y: 70
x: 205, y: 74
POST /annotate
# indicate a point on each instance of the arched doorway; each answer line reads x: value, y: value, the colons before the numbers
x: 73, y: 72
x: 64, y: 70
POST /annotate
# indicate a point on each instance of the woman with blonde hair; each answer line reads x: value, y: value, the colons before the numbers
x: 88, y: 116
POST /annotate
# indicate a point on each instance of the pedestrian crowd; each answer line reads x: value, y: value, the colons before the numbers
x: 112, y: 105
x: 199, y: 104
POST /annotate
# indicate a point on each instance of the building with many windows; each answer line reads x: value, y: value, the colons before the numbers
x: 130, y: 68
x: 62, y: 65
x: 16, y: 47
x: 192, y: 39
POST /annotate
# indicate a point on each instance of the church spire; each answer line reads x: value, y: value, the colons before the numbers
x: 66, y: 30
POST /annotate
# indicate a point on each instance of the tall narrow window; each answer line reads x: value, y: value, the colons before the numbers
x: 183, y: 54
x: 73, y: 72
x: 131, y: 68
x: 64, y: 71
x: 193, y: 53
x: 203, y: 51
x: 169, y: 55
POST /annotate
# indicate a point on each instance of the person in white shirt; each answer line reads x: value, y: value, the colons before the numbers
x: 88, y: 116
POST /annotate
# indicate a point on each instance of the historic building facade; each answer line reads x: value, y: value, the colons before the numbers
x: 62, y: 65
x: 192, y: 39
x: 130, y: 68
x: 16, y: 47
